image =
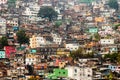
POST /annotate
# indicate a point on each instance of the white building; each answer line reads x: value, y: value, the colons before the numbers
x: 27, y: 12
x: 2, y: 26
x: 30, y: 13
x: 13, y: 22
x: 106, y: 41
x: 57, y: 40
x: 37, y: 41
x: 79, y: 73
x: 40, y: 41
x: 31, y: 59
x: 3, y: 1
x: 72, y: 46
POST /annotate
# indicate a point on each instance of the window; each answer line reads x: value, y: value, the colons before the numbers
x: 88, y: 75
x: 75, y: 70
x: 63, y: 72
x: 75, y: 74
x: 59, y: 72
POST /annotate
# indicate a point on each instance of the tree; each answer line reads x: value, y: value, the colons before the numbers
x: 58, y: 23
x: 22, y: 37
x: 116, y: 26
x: 112, y: 57
x: 97, y: 36
x: 113, y: 4
x: 30, y: 70
x: 3, y: 42
x: 118, y: 58
x: 111, y: 76
x: 76, y: 54
x: 80, y: 53
x: 47, y: 12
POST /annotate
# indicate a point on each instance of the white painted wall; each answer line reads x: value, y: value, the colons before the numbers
x: 2, y: 26
x: 79, y: 73
x: 3, y: 1
x: 40, y: 41
x: 72, y: 46
x: 107, y: 41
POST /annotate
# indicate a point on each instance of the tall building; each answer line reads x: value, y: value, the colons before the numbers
x: 2, y: 26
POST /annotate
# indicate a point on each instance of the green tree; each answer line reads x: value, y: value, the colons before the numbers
x: 47, y: 12
x: 112, y: 57
x: 111, y: 76
x: 116, y: 26
x: 22, y: 37
x: 80, y: 53
x: 118, y: 58
x: 97, y: 36
x: 113, y: 4
x: 58, y: 23
x: 3, y: 42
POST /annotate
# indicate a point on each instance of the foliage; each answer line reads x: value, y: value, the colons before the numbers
x: 22, y: 37
x: 118, y: 58
x: 58, y: 23
x: 116, y: 26
x: 47, y: 12
x: 30, y: 69
x: 112, y: 57
x: 3, y: 42
x: 80, y: 53
x: 113, y: 4
x: 97, y: 36
x: 111, y: 76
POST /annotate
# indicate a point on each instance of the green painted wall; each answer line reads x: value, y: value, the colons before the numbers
x: 57, y: 73
x: 93, y: 30
x: 2, y: 54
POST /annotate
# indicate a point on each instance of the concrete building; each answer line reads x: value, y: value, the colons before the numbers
x: 106, y: 41
x: 2, y: 26
x: 79, y: 73
x: 31, y: 59
x: 12, y: 22
x: 72, y: 46
x: 3, y: 1
x: 37, y: 41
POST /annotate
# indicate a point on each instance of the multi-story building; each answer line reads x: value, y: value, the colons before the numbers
x: 106, y: 41
x: 37, y: 41
x: 79, y: 73
x: 13, y: 22
x: 72, y: 46
x: 2, y: 26
x: 31, y: 59
x: 3, y: 1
